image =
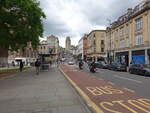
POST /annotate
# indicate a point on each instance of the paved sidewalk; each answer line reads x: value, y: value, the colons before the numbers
x: 104, y: 96
x: 48, y: 92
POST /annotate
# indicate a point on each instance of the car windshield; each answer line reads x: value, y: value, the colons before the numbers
x: 117, y: 63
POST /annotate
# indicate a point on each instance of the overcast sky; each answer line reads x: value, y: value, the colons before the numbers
x: 74, y: 18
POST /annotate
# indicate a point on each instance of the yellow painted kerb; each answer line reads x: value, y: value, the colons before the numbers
x: 86, y: 98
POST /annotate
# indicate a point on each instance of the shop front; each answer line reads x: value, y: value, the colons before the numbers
x: 100, y: 58
x: 138, y: 57
x: 110, y: 56
x: 122, y: 57
x: 148, y: 55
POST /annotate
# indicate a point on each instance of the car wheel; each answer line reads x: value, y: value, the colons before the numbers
x: 115, y: 69
x: 145, y: 73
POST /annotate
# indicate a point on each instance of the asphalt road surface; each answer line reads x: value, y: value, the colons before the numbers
x: 139, y: 84
x: 104, y: 96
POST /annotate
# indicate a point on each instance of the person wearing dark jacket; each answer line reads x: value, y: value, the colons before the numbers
x: 37, y: 66
x: 21, y: 66
x: 81, y: 64
x: 93, y: 67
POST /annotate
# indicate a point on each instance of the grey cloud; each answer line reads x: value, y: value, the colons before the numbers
x: 52, y: 27
x: 98, y: 14
x: 77, y: 17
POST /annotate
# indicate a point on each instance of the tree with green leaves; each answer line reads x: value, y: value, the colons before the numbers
x: 20, y: 22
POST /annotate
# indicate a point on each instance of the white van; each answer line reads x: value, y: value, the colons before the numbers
x: 18, y: 59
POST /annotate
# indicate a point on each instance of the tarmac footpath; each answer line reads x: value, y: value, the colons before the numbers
x: 103, y: 96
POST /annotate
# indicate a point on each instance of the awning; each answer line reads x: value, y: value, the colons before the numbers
x: 46, y: 55
x: 122, y: 53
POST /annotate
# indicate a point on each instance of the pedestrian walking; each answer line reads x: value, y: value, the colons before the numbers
x: 37, y: 66
x: 21, y: 66
x: 50, y: 62
x: 13, y: 63
x: 57, y: 62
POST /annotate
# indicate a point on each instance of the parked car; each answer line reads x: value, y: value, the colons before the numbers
x: 140, y: 69
x: 117, y: 66
x: 101, y: 64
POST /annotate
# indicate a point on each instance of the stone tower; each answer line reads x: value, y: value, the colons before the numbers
x: 68, y: 43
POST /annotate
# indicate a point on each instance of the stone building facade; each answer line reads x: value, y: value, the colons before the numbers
x: 96, y: 44
x: 128, y: 38
x: 27, y: 52
x: 50, y: 47
x: 82, y: 47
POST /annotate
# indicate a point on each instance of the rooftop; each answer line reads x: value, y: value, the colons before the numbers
x: 131, y: 13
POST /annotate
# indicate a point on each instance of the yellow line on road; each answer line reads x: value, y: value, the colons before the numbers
x: 86, y: 98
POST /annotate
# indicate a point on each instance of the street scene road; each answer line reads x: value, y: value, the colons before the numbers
x: 105, y: 96
x: 74, y: 56
x: 137, y: 83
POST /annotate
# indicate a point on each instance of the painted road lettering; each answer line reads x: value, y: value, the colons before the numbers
x: 96, y: 91
x: 105, y: 105
x: 124, y: 106
x: 135, y: 104
x: 145, y: 101
x: 142, y: 105
x: 106, y: 98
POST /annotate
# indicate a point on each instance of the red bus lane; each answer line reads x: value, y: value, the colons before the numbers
x: 107, y: 98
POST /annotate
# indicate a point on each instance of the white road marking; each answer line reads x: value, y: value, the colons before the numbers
x: 127, y: 79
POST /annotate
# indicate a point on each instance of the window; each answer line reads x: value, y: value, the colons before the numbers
x: 102, y: 42
x: 121, y: 31
x: 116, y: 33
x: 94, y: 35
x: 102, y: 49
x: 127, y: 29
x: 122, y: 44
x: 138, y: 23
x: 94, y: 42
x: 139, y: 39
x: 127, y: 42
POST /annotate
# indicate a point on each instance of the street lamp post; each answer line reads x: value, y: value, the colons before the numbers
x: 94, y: 45
x: 110, y: 53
